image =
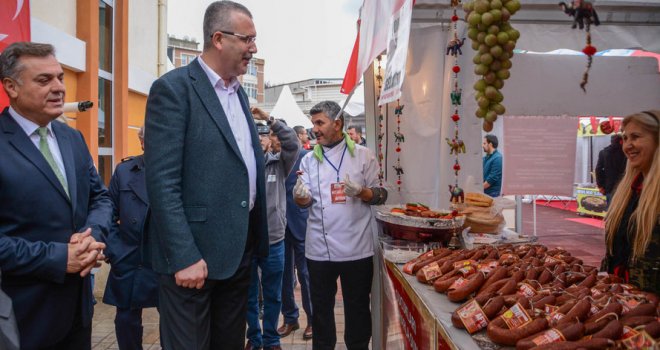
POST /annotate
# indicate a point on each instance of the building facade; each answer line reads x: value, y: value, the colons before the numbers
x: 109, y: 50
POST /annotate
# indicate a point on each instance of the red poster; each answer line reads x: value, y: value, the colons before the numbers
x: 14, y: 26
x: 414, y: 327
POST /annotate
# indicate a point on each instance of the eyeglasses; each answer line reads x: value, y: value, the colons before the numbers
x: 248, y: 39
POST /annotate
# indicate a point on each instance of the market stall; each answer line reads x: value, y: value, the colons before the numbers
x: 425, y: 166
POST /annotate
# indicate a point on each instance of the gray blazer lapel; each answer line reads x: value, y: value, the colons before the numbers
x: 66, y: 149
x: 23, y: 145
x: 202, y: 86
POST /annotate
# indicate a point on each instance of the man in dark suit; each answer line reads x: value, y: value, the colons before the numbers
x: 294, y: 256
x: 205, y: 181
x: 54, y: 208
x: 132, y: 284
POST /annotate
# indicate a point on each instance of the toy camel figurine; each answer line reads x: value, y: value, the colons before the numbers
x: 454, y: 47
x: 457, y: 146
x: 580, y: 10
x: 457, y: 195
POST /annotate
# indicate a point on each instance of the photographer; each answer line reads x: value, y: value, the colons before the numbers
x: 281, y: 147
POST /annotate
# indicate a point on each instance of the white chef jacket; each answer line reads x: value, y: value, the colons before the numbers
x: 339, y: 232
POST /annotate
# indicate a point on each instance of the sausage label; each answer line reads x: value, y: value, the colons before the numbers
x: 639, y: 341
x: 467, y: 270
x: 555, y: 317
x: 488, y: 267
x: 595, y: 292
x: 472, y: 316
x: 516, y: 316
x: 464, y: 263
x: 628, y: 332
x: 526, y: 290
x: 550, y: 309
x: 549, y: 336
x: 460, y: 282
x: 431, y: 271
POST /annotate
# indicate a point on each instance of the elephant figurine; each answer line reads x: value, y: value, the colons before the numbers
x: 454, y: 47
x: 398, y: 169
x: 398, y: 110
x: 580, y: 10
x: 457, y: 195
x: 398, y: 137
x: 456, y: 146
x: 456, y: 97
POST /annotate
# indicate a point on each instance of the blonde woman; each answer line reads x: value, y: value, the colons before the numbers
x: 632, y: 226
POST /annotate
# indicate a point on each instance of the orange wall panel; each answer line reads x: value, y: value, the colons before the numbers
x: 137, y: 105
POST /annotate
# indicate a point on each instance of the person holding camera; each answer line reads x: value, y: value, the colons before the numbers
x: 281, y: 147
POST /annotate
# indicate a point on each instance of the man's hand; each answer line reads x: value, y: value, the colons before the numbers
x: 300, y: 190
x: 84, y: 253
x: 352, y: 189
x: 192, y: 276
x: 259, y: 114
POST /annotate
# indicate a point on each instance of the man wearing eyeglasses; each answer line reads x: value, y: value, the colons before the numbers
x: 206, y: 184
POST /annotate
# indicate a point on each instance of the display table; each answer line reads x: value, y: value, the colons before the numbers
x: 416, y: 317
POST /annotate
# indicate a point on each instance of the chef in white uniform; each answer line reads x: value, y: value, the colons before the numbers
x: 339, y: 183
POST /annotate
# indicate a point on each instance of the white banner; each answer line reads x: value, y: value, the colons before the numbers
x: 539, y: 156
x: 397, y: 53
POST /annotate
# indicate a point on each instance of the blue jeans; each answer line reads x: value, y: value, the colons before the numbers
x: 272, y: 268
x: 294, y: 254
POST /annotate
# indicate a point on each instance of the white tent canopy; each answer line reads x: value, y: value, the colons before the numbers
x: 355, y: 105
x: 286, y: 108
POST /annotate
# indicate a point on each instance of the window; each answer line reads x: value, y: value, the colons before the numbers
x: 105, y: 36
x: 105, y: 113
x: 252, y: 68
x: 250, y: 89
x: 186, y: 59
x: 105, y: 168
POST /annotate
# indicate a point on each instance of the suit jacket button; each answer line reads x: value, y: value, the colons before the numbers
x: 243, y: 204
x: 134, y: 221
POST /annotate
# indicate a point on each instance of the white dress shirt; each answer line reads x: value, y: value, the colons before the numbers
x: 30, y: 129
x: 228, y: 96
x: 339, y: 232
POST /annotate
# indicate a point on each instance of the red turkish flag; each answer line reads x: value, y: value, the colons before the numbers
x: 14, y: 26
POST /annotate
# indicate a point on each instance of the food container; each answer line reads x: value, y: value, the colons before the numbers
x: 418, y: 229
x: 400, y: 252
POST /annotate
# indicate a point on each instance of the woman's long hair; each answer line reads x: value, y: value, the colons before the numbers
x: 646, y: 216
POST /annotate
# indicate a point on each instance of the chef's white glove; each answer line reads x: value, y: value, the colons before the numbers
x: 300, y: 190
x: 351, y: 189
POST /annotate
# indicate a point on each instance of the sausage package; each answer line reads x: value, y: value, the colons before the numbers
x: 472, y: 316
x: 516, y: 316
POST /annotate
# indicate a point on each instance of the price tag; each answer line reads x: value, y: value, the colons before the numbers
x: 460, y: 282
x: 472, y: 316
x: 488, y: 267
x: 463, y: 263
x: 431, y: 271
x: 516, y: 316
x: 549, y: 336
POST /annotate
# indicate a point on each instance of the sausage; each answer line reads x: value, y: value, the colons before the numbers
x: 531, y: 274
x: 547, y: 300
x: 615, y: 308
x: 509, y: 287
x: 497, y: 274
x: 587, y: 344
x: 518, y: 276
x: 545, y: 276
x: 588, y: 282
x: 493, y: 287
x: 645, y: 309
x: 579, y: 311
x: 636, y: 321
x: 441, y: 285
x: 568, y: 332
x: 612, y: 330
x: 484, y: 298
x: 490, y: 309
x: 461, y: 293
x: 499, y: 333
x: 653, y: 329
x: 435, y: 258
x: 566, y: 307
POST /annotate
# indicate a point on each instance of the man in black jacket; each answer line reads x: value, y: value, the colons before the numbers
x: 610, y: 167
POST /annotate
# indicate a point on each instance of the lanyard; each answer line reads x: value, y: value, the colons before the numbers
x: 340, y: 162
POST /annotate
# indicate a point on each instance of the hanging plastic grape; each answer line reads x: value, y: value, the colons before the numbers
x: 584, y: 15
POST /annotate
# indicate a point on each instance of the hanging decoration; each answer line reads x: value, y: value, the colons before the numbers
x: 381, y: 134
x: 456, y: 145
x: 584, y: 15
x: 398, y: 139
x: 494, y: 40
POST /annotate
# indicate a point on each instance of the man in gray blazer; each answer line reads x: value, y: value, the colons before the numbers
x: 205, y: 180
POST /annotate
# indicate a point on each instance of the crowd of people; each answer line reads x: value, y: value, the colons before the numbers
x: 217, y: 212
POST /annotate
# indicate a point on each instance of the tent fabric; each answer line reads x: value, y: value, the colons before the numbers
x: 355, y: 105
x: 286, y: 108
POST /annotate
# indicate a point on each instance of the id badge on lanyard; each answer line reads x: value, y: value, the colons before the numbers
x: 337, y: 188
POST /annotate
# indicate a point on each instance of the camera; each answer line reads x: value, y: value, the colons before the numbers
x: 263, y: 129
